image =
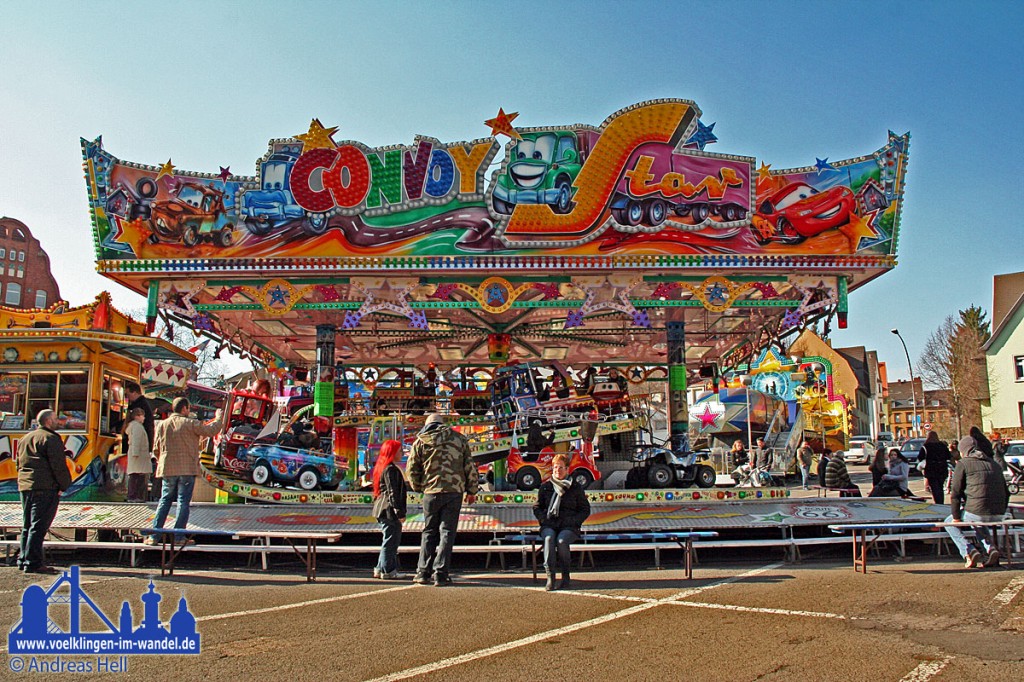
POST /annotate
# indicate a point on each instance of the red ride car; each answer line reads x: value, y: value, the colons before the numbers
x: 798, y: 211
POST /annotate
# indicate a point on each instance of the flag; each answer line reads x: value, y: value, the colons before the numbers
x: 195, y: 350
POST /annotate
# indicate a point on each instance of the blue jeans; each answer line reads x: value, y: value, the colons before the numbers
x: 179, y: 487
x: 391, y: 527
x: 556, y: 547
x: 38, y: 508
x: 983, y: 539
x: 805, y: 473
x: 440, y: 521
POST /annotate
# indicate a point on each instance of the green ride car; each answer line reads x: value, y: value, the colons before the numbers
x: 540, y: 170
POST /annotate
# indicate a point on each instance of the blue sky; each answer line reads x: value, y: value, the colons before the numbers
x: 208, y: 84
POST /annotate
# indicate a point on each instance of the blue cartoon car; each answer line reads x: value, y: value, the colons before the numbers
x: 307, y: 469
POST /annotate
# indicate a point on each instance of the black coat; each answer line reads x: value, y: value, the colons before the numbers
x: 572, y: 512
x: 936, y: 458
x: 392, y: 500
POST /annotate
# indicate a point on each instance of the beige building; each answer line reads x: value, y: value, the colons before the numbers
x: 1004, y: 358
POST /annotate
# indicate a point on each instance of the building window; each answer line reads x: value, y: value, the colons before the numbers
x: 11, y: 271
x: 13, y: 296
x: 897, y: 419
x: 21, y: 271
x: 3, y: 252
x: 40, y: 298
x: 21, y: 256
x: 1018, y: 365
x: 14, y: 255
x: 1020, y: 411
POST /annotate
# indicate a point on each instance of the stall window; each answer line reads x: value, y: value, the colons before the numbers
x: 13, y: 396
x: 72, y: 401
x: 42, y: 393
x: 112, y: 405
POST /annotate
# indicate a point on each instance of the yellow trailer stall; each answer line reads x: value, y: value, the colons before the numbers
x: 75, y: 361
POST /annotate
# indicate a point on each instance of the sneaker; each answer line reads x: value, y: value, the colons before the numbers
x: 376, y: 572
x: 973, y: 559
x: 442, y: 581
x: 993, y: 559
x: 392, y: 575
x: 421, y: 579
x: 42, y: 570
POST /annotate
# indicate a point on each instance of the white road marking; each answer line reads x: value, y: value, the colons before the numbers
x: 1010, y: 591
x: 760, y: 609
x: 927, y: 670
x: 301, y: 604
x: 564, y: 630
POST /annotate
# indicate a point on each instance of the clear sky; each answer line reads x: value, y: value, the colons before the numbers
x: 209, y: 83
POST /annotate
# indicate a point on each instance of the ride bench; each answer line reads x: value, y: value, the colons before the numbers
x: 589, y: 542
x: 865, y: 535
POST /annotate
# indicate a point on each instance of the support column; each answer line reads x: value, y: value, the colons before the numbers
x: 678, y: 410
x: 151, y: 305
x: 323, y: 389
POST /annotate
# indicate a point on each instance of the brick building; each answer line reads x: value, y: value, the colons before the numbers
x: 25, y: 277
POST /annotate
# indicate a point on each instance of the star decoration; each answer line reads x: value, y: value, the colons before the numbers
x: 790, y: 319
x: 897, y: 141
x: 777, y: 517
x: 548, y: 289
x: 641, y: 319
x: 166, y: 169
x: 444, y: 291
x: 227, y: 293
x: 703, y: 136
x: 351, y: 320
x: 717, y: 294
x: 202, y: 322
x: 502, y: 124
x: 328, y: 293
x: 767, y: 289
x: 225, y: 173
x: 574, y: 319
x: 369, y: 374
x: 763, y: 172
x: 860, y: 227
x: 665, y: 289
x: 278, y: 295
x: 708, y: 418
x: 418, y: 320
x: 317, y: 137
x: 823, y: 165
x: 637, y: 372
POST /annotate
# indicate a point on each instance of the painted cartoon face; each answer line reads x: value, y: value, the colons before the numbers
x: 531, y: 159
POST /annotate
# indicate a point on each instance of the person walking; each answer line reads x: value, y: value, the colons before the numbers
x: 936, y: 466
x: 441, y: 467
x: 176, y: 448
x: 140, y: 466
x: 389, y: 507
x: 136, y: 400
x: 978, y: 480
x: 561, y: 508
x: 42, y: 476
x: 878, y: 467
x: 806, y: 457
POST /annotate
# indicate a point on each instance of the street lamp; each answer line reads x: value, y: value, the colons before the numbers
x: 913, y: 395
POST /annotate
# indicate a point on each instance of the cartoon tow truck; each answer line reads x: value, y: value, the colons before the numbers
x: 273, y: 204
x: 798, y: 211
x: 192, y: 214
x: 541, y: 169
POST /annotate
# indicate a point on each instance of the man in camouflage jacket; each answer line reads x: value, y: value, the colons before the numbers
x: 441, y: 467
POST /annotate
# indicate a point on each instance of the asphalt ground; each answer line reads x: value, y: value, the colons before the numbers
x: 925, y: 618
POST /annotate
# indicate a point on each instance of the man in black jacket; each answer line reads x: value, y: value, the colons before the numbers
x: 978, y: 479
x: 42, y: 476
x: 562, y: 507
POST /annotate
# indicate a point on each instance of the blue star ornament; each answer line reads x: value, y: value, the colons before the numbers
x: 823, y: 165
x: 278, y: 295
x: 703, y: 136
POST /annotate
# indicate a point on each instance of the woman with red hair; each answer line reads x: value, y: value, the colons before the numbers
x: 389, y: 507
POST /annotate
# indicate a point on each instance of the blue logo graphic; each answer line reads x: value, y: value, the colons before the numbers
x: 37, y: 633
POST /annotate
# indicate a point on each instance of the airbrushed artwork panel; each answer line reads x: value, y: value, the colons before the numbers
x: 640, y: 183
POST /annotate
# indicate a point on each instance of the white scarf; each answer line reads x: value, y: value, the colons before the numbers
x: 556, y: 500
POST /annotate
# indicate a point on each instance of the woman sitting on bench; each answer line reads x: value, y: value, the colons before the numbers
x: 896, y: 483
x: 561, y: 509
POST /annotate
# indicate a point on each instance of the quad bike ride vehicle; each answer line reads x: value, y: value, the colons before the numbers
x: 658, y: 466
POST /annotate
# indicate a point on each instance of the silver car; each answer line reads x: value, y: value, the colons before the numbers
x: 861, y: 450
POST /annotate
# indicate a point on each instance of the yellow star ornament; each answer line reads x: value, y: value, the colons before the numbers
x: 317, y: 137
x: 166, y: 169
x: 502, y: 124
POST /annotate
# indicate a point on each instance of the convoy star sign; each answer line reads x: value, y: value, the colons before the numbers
x: 640, y: 183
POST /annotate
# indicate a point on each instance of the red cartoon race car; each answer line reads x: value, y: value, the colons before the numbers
x: 798, y: 211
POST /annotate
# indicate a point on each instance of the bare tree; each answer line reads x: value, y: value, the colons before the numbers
x: 208, y: 369
x: 953, y: 360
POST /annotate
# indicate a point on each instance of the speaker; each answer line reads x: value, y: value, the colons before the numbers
x: 300, y: 373
x: 708, y: 371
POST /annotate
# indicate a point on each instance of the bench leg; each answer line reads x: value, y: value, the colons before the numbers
x: 689, y: 559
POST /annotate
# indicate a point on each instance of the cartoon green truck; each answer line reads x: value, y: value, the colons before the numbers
x: 541, y: 169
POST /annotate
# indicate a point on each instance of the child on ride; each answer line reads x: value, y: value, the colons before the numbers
x: 389, y: 508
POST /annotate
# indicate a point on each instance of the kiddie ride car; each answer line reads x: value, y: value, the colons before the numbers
x: 191, y: 214
x: 527, y: 472
x: 658, y: 466
x: 250, y: 447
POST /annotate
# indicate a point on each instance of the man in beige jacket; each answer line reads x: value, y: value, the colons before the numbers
x: 176, y: 447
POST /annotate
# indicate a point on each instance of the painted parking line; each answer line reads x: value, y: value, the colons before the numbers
x: 303, y: 604
x: 927, y: 670
x: 761, y: 609
x: 564, y: 630
x: 1009, y: 592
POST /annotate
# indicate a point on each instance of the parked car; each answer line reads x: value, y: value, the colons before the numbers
x: 911, y: 449
x: 1015, y: 452
x: 861, y: 450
